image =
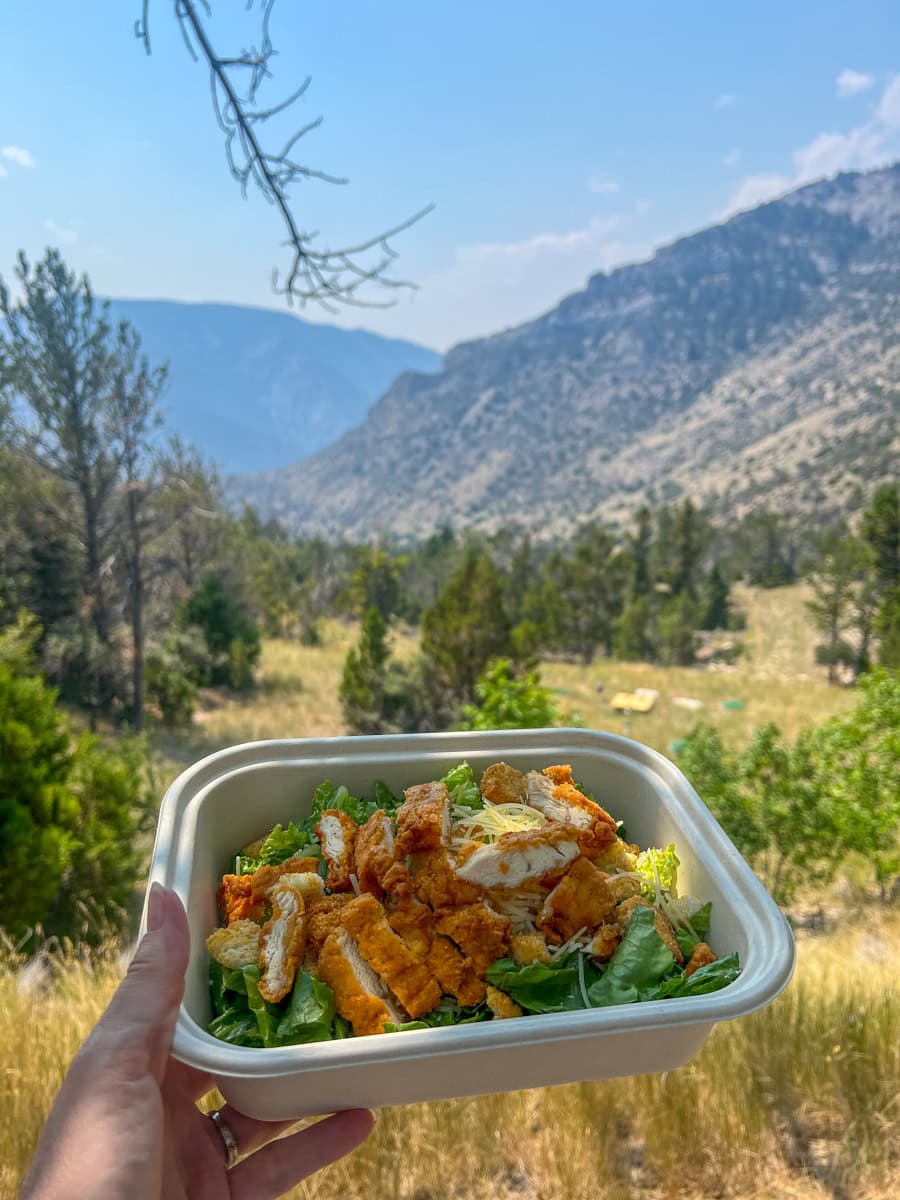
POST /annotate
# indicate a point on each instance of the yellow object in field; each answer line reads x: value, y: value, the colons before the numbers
x: 641, y: 700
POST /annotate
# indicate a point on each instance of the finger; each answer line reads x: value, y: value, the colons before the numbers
x: 272, y: 1171
x: 187, y: 1081
x: 144, y: 1008
x: 251, y: 1134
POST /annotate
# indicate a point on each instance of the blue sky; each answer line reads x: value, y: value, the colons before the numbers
x: 555, y: 141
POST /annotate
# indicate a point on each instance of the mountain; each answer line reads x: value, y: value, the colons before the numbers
x: 755, y: 362
x: 257, y: 389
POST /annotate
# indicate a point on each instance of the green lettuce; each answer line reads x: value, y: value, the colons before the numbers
x: 327, y: 796
x: 706, y: 979
x: 542, y: 987
x: 236, y: 1025
x: 658, y: 867
x: 441, y: 1018
x: 384, y: 798
x: 460, y: 783
x: 640, y: 962
x: 309, y: 1013
x: 284, y: 842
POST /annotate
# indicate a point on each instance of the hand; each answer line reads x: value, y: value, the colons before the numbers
x: 125, y: 1125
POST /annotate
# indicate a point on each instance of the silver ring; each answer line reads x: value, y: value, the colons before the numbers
x: 232, y: 1154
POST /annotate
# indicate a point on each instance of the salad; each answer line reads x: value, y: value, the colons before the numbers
x: 460, y: 901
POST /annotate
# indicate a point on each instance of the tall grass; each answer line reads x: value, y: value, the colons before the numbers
x: 800, y: 1100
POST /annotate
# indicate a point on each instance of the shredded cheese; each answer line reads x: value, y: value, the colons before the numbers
x: 581, y: 985
x: 494, y: 820
x: 354, y: 883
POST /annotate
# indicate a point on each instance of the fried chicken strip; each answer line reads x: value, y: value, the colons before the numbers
x: 701, y: 957
x: 236, y: 899
x: 337, y: 834
x: 235, y: 946
x: 517, y: 858
x: 402, y: 971
x: 435, y: 880
x: 481, y: 934
x: 376, y: 866
x: 553, y: 793
x: 282, y: 940
x: 423, y: 819
x: 359, y: 995
x: 453, y: 970
x: 581, y: 900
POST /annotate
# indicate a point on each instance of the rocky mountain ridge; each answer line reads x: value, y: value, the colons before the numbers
x: 755, y: 362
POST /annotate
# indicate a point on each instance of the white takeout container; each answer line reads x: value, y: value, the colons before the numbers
x: 233, y: 797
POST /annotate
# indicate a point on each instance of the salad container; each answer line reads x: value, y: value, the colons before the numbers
x: 235, y: 796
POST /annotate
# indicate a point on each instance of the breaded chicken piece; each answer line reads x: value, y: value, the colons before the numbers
x: 236, y: 899
x: 423, y: 819
x: 282, y: 940
x: 482, y: 934
x: 337, y: 834
x: 664, y: 926
x: 236, y: 946
x: 501, y: 1005
x: 701, y: 957
x: 553, y: 793
x: 623, y: 887
x: 518, y: 858
x: 402, y: 972
x: 581, y: 900
x: 359, y: 995
x: 324, y: 917
x: 454, y: 972
x: 605, y: 940
x: 434, y: 879
x: 414, y: 922
x: 503, y: 785
x: 528, y: 948
x: 376, y: 865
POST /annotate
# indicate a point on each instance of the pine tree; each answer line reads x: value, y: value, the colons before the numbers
x: 362, y: 691
x: 466, y: 626
x: 716, y: 601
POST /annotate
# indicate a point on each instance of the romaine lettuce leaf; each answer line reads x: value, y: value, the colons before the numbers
x: 706, y: 979
x: 540, y: 987
x: 236, y: 1025
x: 460, y: 783
x: 385, y: 798
x: 441, y: 1018
x: 640, y: 962
x: 266, y: 1014
x: 309, y: 1013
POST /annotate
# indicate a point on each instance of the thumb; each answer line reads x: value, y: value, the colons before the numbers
x: 144, y: 1008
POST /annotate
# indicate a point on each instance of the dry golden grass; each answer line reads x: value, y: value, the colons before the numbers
x: 777, y: 679
x: 801, y: 1100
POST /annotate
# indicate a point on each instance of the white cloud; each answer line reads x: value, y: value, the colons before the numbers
x: 889, y: 106
x: 732, y: 158
x: 500, y: 284
x: 65, y: 237
x: 601, y: 186
x: 871, y: 144
x: 18, y: 155
x: 754, y: 190
x: 3, y: 171
x: 849, y: 82
x: 832, y: 152
x: 725, y: 100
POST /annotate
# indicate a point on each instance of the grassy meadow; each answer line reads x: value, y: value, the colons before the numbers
x: 799, y: 1101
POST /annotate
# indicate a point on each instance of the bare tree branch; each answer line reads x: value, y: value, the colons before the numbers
x: 330, y: 277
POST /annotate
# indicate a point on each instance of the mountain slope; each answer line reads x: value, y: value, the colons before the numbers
x: 757, y: 360
x: 257, y: 389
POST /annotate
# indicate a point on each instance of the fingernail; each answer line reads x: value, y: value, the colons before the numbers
x: 156, y: 904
